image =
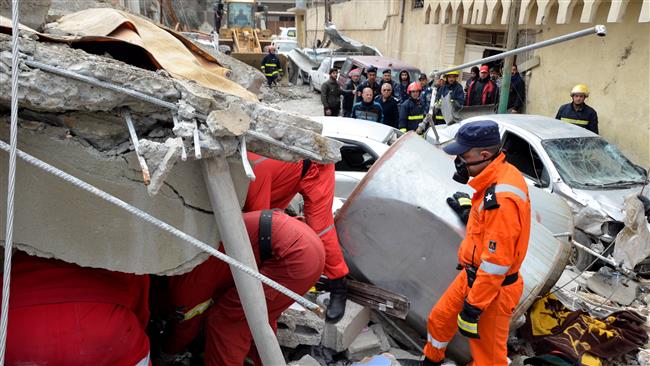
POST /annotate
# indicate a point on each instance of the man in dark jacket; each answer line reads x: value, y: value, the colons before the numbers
x: 411, y: 112
x: 387, y: 78
x: 578, y: 112
x: 349, y: 92
x: 427, y: 91
x: 330, y: 95
x: 271, y: 66
x: 517, y: 96
x: 388, y: 105
x: 483, y: 90
x: 371, y: 83
x: 367, y: 109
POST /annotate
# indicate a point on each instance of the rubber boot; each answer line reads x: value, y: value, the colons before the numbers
x: 338, y: 298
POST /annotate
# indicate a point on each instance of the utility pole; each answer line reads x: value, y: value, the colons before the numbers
x: 511, y: 43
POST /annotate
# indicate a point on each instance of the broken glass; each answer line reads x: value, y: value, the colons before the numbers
x: 591, y: 162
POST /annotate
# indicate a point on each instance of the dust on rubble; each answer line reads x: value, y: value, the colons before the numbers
x: 293, y: 98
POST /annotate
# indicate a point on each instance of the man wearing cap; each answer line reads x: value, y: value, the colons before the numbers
x: 371, y: 83
x: 578, y: 112
x: 480, y: 301
x: 387, y: 78
x: 427, y: 91
x: 482, y: 90
x: 350, y: 92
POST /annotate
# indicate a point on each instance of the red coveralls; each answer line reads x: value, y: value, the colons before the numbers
x: 277, y: 182
x: 297, y: 262
x: 64, y: 314
x: 496, y: 242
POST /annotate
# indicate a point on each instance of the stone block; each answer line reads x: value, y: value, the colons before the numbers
x: 384, y: 343
x: 366, y: 344
x: 297, y: 326
x: 339, y: 336
x: 401, y: 354
x: 306, y: 360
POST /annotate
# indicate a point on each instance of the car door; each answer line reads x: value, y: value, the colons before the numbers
x: 356, y: 160
x: 520, y: 153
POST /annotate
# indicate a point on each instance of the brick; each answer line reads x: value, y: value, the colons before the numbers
x: 339, y: 336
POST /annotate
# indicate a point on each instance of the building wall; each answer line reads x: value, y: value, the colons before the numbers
x: 615, y: 68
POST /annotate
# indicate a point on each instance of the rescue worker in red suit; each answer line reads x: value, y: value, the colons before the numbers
x: 276, y: 183
x: 293, y: 257
x: 481, y: 299
x: 64, y: 314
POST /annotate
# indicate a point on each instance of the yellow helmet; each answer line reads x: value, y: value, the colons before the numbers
x: 580, y: 89
x: 453, y: 73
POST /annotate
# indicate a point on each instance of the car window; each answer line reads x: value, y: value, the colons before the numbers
x: 355, y: 158
x: 291, y: 33
x: 338, y: 64
x: 324, y: 65
x: 591, y: 162
x: 524, y: 157
x: 345, y: 69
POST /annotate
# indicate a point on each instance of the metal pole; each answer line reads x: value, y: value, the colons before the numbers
x: 227, y: 213
x: 627, y: 272
x: 511, y: 43
x: 599, y: 30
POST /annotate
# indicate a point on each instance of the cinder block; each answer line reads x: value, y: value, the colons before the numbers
x: 339, y: 336
x: 298, y: 325
x: 366, y: 344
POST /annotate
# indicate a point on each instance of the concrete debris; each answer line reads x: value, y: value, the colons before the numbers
x: 299, y: 326
x: 384, y: 343
x: 339, y: 336
x: 613, y: 286
x: 306, y: 360
x: 365, y: 344
x: 402, y: 354
x: 643, y: 357
x: 46, y: 93
x: 33, y: 13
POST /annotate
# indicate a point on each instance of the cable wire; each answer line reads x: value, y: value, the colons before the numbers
x: 162, y: 225
x: 11, y: 180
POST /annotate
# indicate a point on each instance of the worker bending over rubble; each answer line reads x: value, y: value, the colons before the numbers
x: 64, y: 314
x: 481, y: 299
x: 276, y: 183
x: 286, y: 250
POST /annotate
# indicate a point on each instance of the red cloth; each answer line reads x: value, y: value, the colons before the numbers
x: 64, y: 314
x: 277, y: 182
x: 297, y: 262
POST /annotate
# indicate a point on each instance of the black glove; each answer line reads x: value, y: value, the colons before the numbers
x: 461, y: 203
x: 468, y: 320
x: 646, y: 206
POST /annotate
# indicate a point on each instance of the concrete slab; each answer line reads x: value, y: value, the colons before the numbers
x: 339, y: 336
x: 366, y: 344
x: 299, y: 326
x: 306, y: 360
x: 614, y: 287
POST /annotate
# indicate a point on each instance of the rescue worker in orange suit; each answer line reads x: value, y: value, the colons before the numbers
x: 64, y: 314
x: 286, y: 250
x: 276, y: 183
x: 480, y: 301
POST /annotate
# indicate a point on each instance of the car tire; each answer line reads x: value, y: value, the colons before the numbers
x: 580, y: 259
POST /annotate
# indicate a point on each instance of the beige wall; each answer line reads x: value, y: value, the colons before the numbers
x: 617, y: 70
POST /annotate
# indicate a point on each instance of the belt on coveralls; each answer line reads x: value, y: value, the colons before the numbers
x: 471, y: 275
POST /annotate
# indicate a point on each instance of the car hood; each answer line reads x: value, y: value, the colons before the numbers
x: 594, y: 207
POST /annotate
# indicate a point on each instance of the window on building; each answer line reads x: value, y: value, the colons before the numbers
x: 488, y: 39
x: 427, y: 15
x: 418, y: 4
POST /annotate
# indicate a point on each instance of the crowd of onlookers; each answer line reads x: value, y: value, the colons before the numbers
x: 404, y: 103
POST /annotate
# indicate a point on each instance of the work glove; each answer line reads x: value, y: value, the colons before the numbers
x: 468, y: 320
x: 646, y: 206
x: 461, y: 203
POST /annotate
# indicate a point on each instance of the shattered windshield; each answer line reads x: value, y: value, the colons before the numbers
x: 591, y: 162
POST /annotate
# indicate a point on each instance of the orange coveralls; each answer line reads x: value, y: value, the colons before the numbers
x: 496, y: 242
x: 277, y: 182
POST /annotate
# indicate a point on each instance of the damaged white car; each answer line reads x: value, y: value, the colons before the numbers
x: 592, y: 175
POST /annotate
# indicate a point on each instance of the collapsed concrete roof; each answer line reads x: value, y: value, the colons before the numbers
x: 80, y: 128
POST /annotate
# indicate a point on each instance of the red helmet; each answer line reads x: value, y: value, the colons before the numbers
x: 414, y: 86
